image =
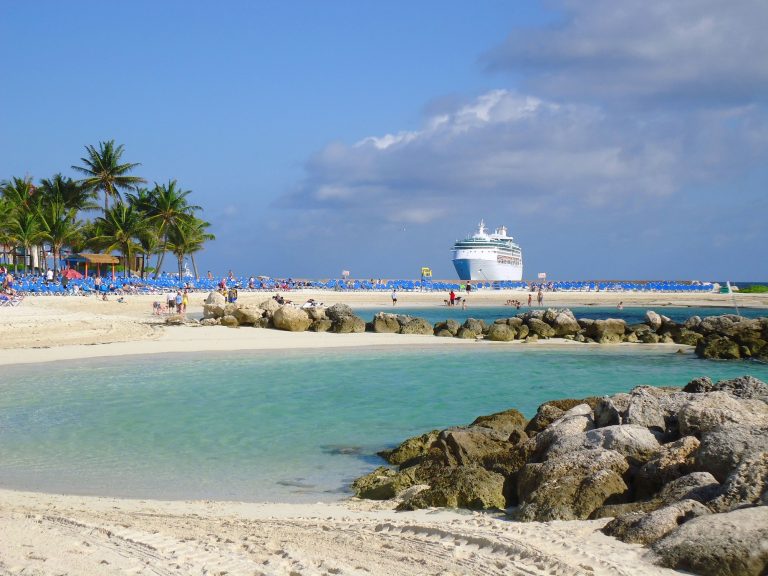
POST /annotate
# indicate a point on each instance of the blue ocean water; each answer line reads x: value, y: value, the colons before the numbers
x: 295, y: 426
x: 632, y: 314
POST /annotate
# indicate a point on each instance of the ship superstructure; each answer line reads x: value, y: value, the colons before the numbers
x: 490, y: 257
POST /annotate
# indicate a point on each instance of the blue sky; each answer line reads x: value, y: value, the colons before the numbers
x: 615, y: 140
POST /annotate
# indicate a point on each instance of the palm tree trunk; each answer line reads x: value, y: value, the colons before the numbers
x: 181, y: 262
x: 194, y: 266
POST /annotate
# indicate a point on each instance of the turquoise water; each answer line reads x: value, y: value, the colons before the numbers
x: 288, y: 427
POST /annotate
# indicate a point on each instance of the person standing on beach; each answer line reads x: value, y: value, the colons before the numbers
x: 540, y: 297
x: 530, y: 299
x: 394, y: 297
x: 452, y: 298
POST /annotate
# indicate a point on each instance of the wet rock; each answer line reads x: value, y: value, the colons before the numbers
x: 718, y: 348
x: 727, y: 544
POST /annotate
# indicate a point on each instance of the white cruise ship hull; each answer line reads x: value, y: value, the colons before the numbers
x: 486, y: 270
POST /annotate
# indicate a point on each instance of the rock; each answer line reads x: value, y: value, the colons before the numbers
x: 477, y: 326
x: 540, y: 328
x: 635, y: 443
x: 323, y: 325
x: 722, y: 449
x: 214, y: 305
x: 290, y: 318
x: 450, y: 326
x: 573, y: 422
x: 688, y: 337
x: 644, y: 410
x: 609, y: 331
x: 545, y: 415
x: 719, y: 544
x: 564, y: 324
x: 417, y: 326
x: 316, y: 313
x: 443, y: 333
x: 646, y: 528
x: 467, y: 446
x: 699, y: 385
x: 210, y: 322
x: 503, y: 422
x: 672, y: 461
x: 350, y: 324
x: 248, y: 315
x: 571, y: 486
x: 531, y: 338
x: 175, y: 320
x: 523, y: 331
x: 744, y: 387
x: 500, y: 333
x: 704, y: 412
x: 466, y: 333
x: 747, y: 485
x: 465, y: 487
x: 229, y: 321
x: 611, y: 410
x: 338, y: 312
x: 411, y: 449
x: 616, y: 510
x: 718, y: 348
x: 382, y: 484
x: 692, y: 323
x: 699, y: 486
x: 269, y: 306
x: 653, y: 320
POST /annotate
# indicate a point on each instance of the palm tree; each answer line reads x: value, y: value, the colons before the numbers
x: 68, y: 192
x: 24, y: 230
x: 59, y: 226
x: 20, y: 193
x: 6, y: 214
x: 103, y: 171
x: 169, y: 208
x: 187, y: 237
x: 121, y: 226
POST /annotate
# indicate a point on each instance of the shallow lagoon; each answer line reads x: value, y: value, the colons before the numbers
x: 296, y: 426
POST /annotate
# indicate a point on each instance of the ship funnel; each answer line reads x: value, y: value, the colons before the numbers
x: 501, y: 230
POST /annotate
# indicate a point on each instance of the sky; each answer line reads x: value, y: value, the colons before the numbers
x: 615, y: 140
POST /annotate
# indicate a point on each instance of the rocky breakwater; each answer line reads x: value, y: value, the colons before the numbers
x: 682, y: 471
x: 338, y: 318
x: 716, y: 337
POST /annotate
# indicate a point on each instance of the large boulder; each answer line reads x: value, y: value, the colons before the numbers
x: 704, y: 412
x: 609, y: 331
x: 699, y: 486
x: 540, y: 328
x: 475, y: 325
x: 382, y: 484
x: 646, y: 528
x: 645, y: 410
x: 384, y: 323
x: 417, y: 326
x: 229, y: 321
x: 746, y: 486
x: 320, y: 325
x: 744, y: 387
x: 635, y: 443
x: 348, y: 325
x: 503, y: 422
x: 467, y: 334
x: 672, y: 461
x: 727, y: 544
x: 653, y: 320
x: 270, y: 306
x: 545, y: 415
x: 248, y: 315
x: 573, y: 422
x: 447, y: 328
x: 500, y: 333
x: 214, y: 305
x: 723, y: 448
x: 718, y: 348
x: 611, y: 410
x: 290, y: 318
x: 411, y: 449
x: 462, y: 487
x: 571, y: 486
x: 564, y: 323
x: 466, y: 446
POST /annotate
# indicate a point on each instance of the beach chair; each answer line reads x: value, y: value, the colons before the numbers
x: 6, y: 300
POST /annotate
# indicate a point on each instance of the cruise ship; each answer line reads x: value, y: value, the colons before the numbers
x: 485, y: 256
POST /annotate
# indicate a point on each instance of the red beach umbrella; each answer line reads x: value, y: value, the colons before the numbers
x: 71, y: 274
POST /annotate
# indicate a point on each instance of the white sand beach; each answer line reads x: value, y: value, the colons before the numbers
x: 47, y: 534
